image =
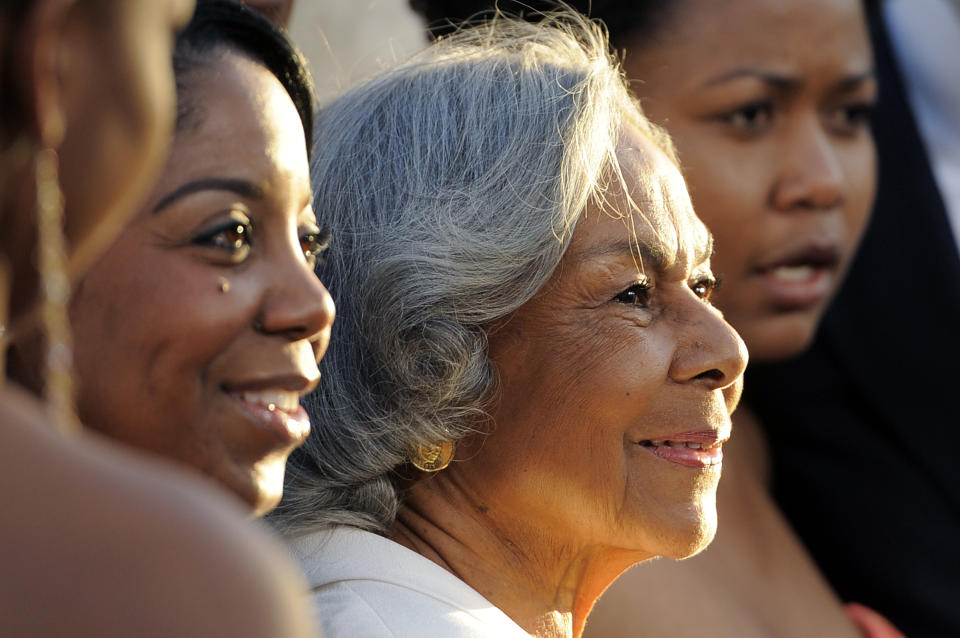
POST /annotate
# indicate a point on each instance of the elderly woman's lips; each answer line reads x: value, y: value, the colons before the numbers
x: 693, y: 449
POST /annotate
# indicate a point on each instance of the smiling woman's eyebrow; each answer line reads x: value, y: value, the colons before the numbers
x: 241, y: 187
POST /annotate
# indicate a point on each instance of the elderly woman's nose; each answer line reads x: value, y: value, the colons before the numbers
x: 710, y: 353
x: 810, y: 175
x: 297, y: 304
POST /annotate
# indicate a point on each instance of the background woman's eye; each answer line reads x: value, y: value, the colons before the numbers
x: 705, y: 287
x: 314, y: 243
x: 636, y: 295
x: 232, y: 237
x: 754, y: 117
x: 851, y: 118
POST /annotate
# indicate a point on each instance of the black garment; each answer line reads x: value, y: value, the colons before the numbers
x: 864, y: 430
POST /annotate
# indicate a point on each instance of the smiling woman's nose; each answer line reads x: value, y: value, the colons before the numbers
x: 298, y: 306
x: 710, y: 352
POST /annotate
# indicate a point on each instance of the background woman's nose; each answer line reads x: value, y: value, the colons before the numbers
x: 810, y: 172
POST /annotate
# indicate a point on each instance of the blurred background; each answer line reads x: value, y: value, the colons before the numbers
x: 349, y: 40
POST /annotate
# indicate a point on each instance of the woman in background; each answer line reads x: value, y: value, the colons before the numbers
x: 95, y: 540
x: 773, y: 138
x: 201, y: 326
x: 528, y: 389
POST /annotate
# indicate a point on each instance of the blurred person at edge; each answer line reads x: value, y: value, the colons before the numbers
x: 525, y: 318
x: 95, y: 539
x: 774, y: 141
x: 200, y: 328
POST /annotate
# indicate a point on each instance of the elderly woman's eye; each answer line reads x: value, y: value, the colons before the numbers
x: 232, y: 237
x: 636, y: 295
x: 704, y: 287
x: 314, y: 243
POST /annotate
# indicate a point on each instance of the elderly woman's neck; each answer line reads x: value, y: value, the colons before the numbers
x: 545, y: 585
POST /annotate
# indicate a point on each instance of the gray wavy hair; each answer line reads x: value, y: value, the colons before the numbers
x: 453, y: 184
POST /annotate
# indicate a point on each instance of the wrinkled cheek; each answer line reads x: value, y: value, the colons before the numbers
x: 732, y: 394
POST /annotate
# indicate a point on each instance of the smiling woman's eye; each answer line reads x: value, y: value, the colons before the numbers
x: 751, y: 118
x: 232, y: 236
x: 314, y: 242
x: 704, y: 287
x: 636, y: 295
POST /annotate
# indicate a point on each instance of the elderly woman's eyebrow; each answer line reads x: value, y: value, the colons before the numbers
x: 653, y: 256
x: 650, y: 255
x: 242, y: 187
x: 704, y: 250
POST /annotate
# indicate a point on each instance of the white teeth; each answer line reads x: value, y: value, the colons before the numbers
x: 694, y: 446
x: 274, y: 399
x: 793, y: 273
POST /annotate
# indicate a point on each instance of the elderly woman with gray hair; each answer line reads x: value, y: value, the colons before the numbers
x: 527, y: 390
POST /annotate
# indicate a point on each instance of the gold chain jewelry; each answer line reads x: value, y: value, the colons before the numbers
x: 54, y: 291
x: 433, y: 457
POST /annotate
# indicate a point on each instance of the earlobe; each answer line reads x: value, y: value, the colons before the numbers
x: 37, y: 57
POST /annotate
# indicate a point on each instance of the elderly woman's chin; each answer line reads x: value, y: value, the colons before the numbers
x: 679, y: 531
x: 699, y: 532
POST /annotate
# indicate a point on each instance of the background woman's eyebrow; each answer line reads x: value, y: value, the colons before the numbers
x: 855, y: 81
x: 777, y: 80
x: 784, y: 82
x: 242, y: 187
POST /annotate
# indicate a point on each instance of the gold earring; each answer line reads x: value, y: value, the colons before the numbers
x: 54, y: 291
x: 433, y: 457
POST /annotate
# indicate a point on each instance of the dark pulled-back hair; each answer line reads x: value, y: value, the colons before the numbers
x: 227, y: 25
x: 625, y: 20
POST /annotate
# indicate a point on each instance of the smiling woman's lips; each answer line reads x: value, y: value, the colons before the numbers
x: 289, y: 424
x: 691, y: 449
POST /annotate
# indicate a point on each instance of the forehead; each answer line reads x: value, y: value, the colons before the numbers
x: 706, y: 37
x: 654, y: 213
x: 239, y: 115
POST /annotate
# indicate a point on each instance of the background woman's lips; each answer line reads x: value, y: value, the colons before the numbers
x: 802, y: 278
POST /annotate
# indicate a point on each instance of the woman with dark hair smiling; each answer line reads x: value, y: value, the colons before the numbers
x: 199, y: 330
x: 768, y: 103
